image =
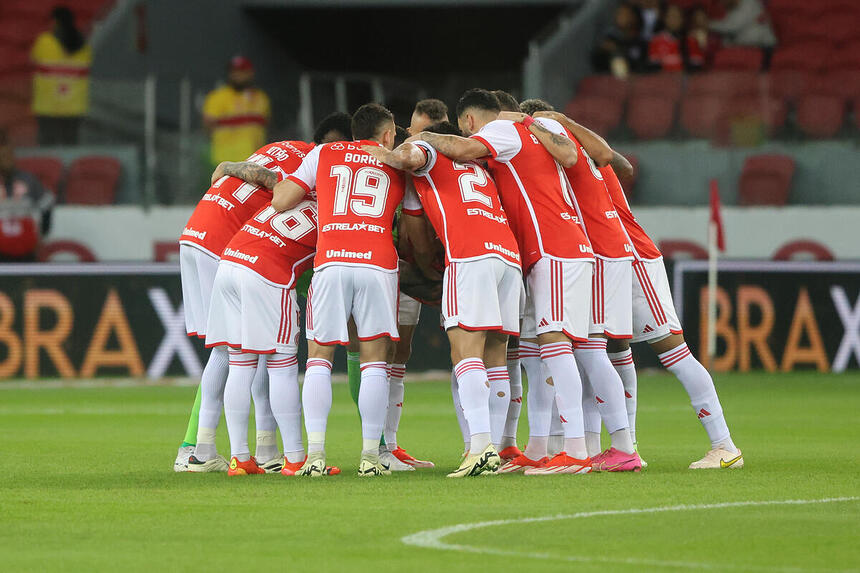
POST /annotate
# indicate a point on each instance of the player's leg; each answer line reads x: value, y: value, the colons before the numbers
x: 266, y: 445
x: 555, y: 444
x: 353, y: 363
x: 590, y: 416
x: 287, y: 408
x: 512, y: 419
x: 622, y: 360
x: 211, y: 405
x: 237, y: 410
x: 495, y: 360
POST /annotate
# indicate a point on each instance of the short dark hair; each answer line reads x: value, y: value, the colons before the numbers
x: 506, y: 101
x: 444, y: 128
x: 400, y: 135
x: 337, y: 121
x: 480, y: 99
x: 530, y: 106
x: 435, y: 109
x: 368, y: 120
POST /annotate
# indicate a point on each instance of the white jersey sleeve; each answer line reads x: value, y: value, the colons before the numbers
x: 501, y: 138
x: 306, y: 174
x: 552, y: 125
x: 430, y: 152
x: 411, y: 201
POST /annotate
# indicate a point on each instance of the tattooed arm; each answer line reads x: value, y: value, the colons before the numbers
x: 246, y: 171
x: 560, y: 147
x: 455, y: 147
x: 406, y: 157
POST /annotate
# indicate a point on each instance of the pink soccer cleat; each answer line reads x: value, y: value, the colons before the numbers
x: 613, y: 460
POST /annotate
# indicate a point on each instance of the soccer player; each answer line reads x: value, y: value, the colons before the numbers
x: 482, y: 284
x: 355, y: 275
x: 556, y: 253
x: 427, y: 112
x: 610, y: 306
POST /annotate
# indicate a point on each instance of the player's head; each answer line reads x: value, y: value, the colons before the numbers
x: 334, y: 127
x: 427, y: 112
x: 443, y: 128
x: 476, y: 109
x: 507, y: 102
x: 240, y: 74
x: 400, y: 135
x: 532, y: 106
x: 374, y: 122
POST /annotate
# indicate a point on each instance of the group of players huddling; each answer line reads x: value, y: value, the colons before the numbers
x: 539, y: 244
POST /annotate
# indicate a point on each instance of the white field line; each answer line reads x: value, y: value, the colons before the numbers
x: 433, y: 538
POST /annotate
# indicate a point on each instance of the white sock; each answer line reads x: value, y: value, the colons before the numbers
x: 555, y: 444
x: 703, y: 396
x: 373, y: 403
x: 212, y: 392
x: 591, y: 419
x: 316, y: 401
x: 396, y: 391
x: 536, y: 449
x: 623, y: 364
x: 264, y: 420
x: 286, y: 403
x: 500, y: 390
x: 608, y: 390
x: 540, y: 395
x: 237, y: 401
x: 458, y: 410
x: 592, y: 443
x: 559, y: 360
x: 515, y: 376
x: 205, y: 448
x: 474, y: 389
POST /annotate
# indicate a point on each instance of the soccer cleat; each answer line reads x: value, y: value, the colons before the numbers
x: 643, y: 462
x: 719, y: 458
x: 613, y: 460
x: 314, y: 466
x: 510, y: 453
x: 404, y: 457
x: 485, y: 463
x: 216, y: 464
x: 561, y: 463
x: 245, y: 468
x: 182, y: 455
x: 273, y: 465
x: 521, y: 463
x: 289, y: 469
x: 370, y: 465
x: 393, y: 463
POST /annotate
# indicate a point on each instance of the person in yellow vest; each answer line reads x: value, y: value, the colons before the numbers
x: 236, y: 114
x: 61, y: 83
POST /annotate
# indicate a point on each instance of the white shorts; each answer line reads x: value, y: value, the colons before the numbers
x: 653, y: 310
x: 560, y: 294
x: 408, y: 310
x: 611, y: 299
x: 250, y: 314
x: 197, y: 270
x: 339, y: 291
x: 485, y: 294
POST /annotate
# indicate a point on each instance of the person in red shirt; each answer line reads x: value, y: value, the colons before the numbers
x: 482, y: 285
x: 355, y: 275
x: 672, y: 50
x: 527, y: 160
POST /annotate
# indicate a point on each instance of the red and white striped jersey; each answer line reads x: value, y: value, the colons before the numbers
x: 464, y: 208
x: 230, y: 201
x: 277, y: 246
x: 643, y: 246
x: 598, y: 216
x: 356, y: 199
x: 534, y: 193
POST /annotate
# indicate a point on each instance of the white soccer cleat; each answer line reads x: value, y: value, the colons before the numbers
x: 273, y: 465
x: 485, y: 463
x: 216, y: 464
x: 371, y: 465
x: 314, y: 465
x: 719, y: 458
x: 182, y: 455
x: 393, y: 463
x: 636, y: 449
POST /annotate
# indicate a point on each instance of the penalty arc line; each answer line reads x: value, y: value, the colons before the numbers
x: 433, y: 538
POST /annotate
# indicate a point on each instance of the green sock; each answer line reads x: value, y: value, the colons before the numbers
x: 191, y: 431
x: 353, y: 374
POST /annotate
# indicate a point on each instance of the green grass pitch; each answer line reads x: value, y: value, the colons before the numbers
x: 87, y: 486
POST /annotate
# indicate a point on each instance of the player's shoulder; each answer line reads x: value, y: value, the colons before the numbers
x: 298, y: 148
x: 553, y: 126
x: 497, y: 125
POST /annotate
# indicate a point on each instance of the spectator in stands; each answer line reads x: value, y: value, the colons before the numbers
x: 708, y: 42
x: 61, y: 85
x: 672, y: 50
x: 25, y: 208
x: 622, y: 50
x: 236, y: 114
x: 746, y: 24
x: 650, y: 11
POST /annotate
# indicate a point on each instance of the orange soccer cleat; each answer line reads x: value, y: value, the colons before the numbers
x: 561, y: 463
x: 510, y: 453
x: 404, y: 457
x: 521, y: 463
x: 238, y: 468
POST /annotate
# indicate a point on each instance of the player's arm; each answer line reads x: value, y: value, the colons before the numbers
x: 246, y: 171
x: 417, y: 229
x: 287, y: 194
x: 455, y: 147
x: 560, y: 147
x: 406, y: 156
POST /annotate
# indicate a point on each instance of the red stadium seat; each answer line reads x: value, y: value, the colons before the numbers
x: 840, y: 30
x: 766, y: 180
x: 13, y: 111
x: 49, y: 170
x: 603, y: 86
x: 844, y: 58
x: 597, y: 113
x: 16, y: 86
x: 665, y: 85
x: 92, y: 180
x: 700, y: 114
x: 724, y: 83
x: 738, y: 58
x: 844, y: 84
x: 14, y: 60
x: 809, y: 56
x: 770, y: 110
x: 820, y: 116
x: 650, y: 117
x: 789, y: 84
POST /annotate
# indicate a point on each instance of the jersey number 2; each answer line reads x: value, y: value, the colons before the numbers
x: 363, y: 192
x: 474, y: 177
